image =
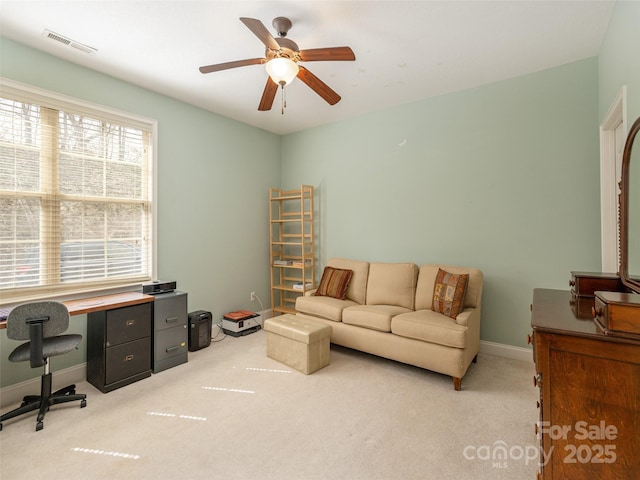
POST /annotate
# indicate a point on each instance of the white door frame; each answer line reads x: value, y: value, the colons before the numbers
x: 609, y: 182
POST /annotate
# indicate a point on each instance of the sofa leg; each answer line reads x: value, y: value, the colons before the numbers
x: 475, y: 359
x: 457, y: 383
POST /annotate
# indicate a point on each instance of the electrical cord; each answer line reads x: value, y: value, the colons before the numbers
x: 220, y: 330
x: 261, y: 307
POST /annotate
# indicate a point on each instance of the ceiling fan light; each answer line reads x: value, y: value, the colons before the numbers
x: 282, y: 70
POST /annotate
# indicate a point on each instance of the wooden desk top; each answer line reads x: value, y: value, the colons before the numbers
x: 105, y: 302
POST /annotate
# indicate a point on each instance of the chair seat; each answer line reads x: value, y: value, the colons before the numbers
x: 51, y: 347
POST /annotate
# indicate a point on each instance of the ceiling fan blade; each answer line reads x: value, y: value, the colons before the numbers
x: 227, y: 65
x: 318, y: 86
x: 332, y: 53
x: 268, y: 95
x: 260, y: 31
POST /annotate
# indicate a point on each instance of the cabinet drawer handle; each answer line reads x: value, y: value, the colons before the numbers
x: 172, y: 349
x: 537, y: 380
x: 172, y: 319
x: 128, y: 358
x: 596, y: 312
x: 131, y: 322
x: 529, y: 339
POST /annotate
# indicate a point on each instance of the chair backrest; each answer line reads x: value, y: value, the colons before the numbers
x: 17, y: 321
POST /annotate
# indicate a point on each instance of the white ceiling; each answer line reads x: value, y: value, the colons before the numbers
x: 405, y: 51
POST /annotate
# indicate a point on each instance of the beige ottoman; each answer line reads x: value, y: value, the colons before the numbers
x: 300, y: 343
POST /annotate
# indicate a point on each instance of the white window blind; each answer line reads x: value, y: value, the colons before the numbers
x: 75, y: 196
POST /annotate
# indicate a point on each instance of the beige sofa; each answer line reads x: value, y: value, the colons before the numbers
x: 388, y: 312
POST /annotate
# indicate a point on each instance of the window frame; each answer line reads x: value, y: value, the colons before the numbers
x: 45, y: 98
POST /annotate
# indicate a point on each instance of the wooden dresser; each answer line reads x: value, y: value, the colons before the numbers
x: 589, y: 384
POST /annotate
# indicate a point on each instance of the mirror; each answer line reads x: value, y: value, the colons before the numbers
x: 630, y: 211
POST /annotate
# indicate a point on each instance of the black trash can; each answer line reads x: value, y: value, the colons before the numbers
x: 199, y: 330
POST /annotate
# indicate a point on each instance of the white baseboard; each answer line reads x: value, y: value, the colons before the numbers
x: 61, y: 378
x: 507, y: 351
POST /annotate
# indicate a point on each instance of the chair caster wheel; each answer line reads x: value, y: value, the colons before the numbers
x: 39, y: 426
x: 83, y: 403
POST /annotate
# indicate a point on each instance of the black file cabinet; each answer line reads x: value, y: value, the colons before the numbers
x: 119, y: 346
x: 170, y: 332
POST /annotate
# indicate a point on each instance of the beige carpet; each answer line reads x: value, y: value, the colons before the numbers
x: 233, y: 413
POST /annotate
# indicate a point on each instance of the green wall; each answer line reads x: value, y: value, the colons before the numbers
x: 619, y: 59
x: 503, y: 177
x: 205, y: 192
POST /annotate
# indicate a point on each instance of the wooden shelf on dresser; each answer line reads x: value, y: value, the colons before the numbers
x: 589, y: 386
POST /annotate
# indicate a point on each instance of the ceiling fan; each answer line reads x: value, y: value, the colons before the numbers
x: 281, y: 58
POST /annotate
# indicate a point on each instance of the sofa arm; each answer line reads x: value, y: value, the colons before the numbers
x: 309, y: 293
x: 468, y: 316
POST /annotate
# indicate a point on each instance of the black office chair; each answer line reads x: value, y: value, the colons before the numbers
x: 42, y: 323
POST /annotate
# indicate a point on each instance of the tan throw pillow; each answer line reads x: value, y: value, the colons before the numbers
x: 448, y: 293
x: 334, y: 283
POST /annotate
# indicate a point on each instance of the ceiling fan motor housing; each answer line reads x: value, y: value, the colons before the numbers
x: 288, y: 49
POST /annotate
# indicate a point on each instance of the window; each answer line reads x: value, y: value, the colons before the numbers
x: 75, y: 196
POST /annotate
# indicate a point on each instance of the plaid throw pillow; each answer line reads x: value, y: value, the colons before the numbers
x: 334, y: 283
x: 448, y: 293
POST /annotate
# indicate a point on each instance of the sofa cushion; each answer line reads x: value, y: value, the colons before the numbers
x: 325, y: 307
x: 357, y: 289
x: 392, y: 284
x: 448, y: 293
x: 374, y: 317
x: 427, y: 280
x: 430, y: 326
x: 334, y: 283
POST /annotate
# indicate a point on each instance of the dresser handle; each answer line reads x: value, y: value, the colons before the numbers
x: 131, y: 322
x: 172, y: 349
x: 537, y: 380
x: 172, y: 319
x: 572, y: 283
x: 128, y: 358
x: 596, y: 312
x: 529, y: 339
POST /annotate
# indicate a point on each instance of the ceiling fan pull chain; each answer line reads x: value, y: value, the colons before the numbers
x: 284, y: 99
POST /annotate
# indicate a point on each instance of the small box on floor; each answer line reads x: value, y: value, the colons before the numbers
x: 241, y: 322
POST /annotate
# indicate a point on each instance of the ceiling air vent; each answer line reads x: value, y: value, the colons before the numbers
x: 56, y: 37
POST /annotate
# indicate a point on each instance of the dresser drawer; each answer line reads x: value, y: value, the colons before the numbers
x: 585, y: 284
x: 127, y: 324
x: 618, y: 313
x: 128, y: 359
